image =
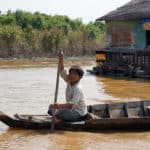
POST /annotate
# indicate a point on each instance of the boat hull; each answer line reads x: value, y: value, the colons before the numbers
x: 117, y: 116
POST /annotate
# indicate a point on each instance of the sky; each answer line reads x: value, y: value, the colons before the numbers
x: 87, y: 10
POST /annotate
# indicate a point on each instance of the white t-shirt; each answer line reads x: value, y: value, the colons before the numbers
x: 74, y: 95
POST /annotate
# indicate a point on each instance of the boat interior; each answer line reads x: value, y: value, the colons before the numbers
x: 121, y: 110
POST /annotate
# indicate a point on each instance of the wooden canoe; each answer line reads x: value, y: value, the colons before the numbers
x: 117, y: 116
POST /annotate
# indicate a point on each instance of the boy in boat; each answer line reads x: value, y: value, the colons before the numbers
x: 75, y: 108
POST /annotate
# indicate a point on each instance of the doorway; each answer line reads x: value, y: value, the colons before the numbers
x: 148, y: 39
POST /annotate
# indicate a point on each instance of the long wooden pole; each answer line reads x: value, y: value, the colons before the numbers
x: 55, y: 98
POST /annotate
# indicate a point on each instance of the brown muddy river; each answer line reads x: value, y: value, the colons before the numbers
x: 31, y: 90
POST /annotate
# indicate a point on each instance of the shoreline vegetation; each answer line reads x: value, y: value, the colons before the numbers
x: 14, y: 63
x: 27, y: 35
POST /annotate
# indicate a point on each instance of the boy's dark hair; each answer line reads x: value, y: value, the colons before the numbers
x: 78, y: 70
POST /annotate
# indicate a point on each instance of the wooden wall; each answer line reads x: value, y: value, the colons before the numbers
x: 139, y: 35
x: 128, y: 34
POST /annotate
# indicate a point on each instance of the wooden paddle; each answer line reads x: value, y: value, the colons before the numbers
x: 55, y: 98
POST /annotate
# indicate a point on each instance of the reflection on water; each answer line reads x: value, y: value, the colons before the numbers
x: 44, y: 140
x: 126, y: 89
x: 31, y: 90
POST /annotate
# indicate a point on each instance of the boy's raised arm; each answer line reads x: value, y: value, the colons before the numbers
x: 63, y: 72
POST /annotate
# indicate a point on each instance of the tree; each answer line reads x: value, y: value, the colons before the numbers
x: 10, y: 37
x: 25, y: 34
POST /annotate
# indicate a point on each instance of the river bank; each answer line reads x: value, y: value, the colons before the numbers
x: 44, y: 62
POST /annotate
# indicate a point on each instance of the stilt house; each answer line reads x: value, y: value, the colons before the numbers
x: 128, y: 34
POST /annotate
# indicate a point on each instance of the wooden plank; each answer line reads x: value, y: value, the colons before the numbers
x: 117, y: 110
x: 135, y: 109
